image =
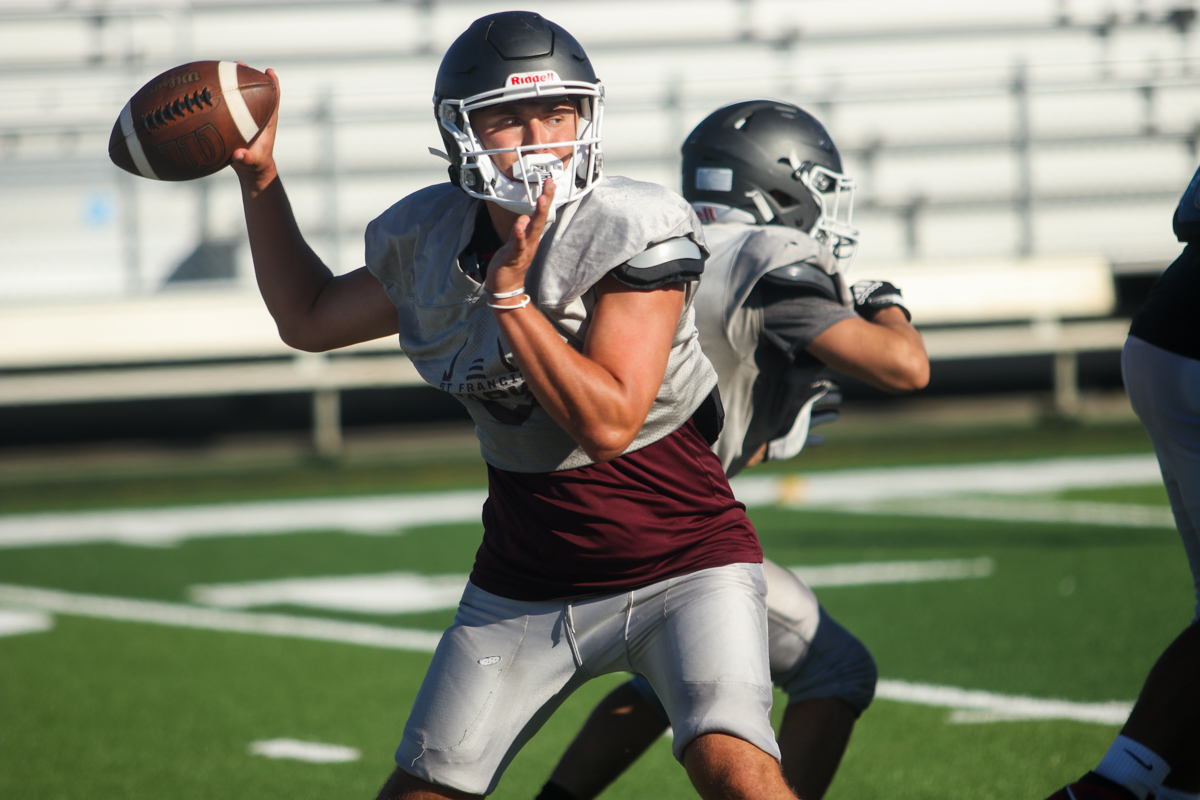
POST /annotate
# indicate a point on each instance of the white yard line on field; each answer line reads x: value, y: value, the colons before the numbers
x: 15, y: 623
x: 837, y: 489
x: 1119, y: 515
x: 968, y: 705
x: 167, y: 526
x: 883, y: 572
x: 975, y: 706
x: 386, y: 593
x: 1044, y: 476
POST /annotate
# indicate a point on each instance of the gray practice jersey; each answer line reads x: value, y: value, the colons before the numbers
x: 452, y: 336
x: 732, y: 329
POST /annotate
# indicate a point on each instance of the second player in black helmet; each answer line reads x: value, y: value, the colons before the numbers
x: 769, y: 163
x: 773, y: 310
x: 767, y: 180
x: 555, y: 303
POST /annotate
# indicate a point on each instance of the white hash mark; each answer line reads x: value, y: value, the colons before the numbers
x: 312, y: 752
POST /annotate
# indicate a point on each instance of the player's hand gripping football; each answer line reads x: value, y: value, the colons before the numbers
x: 255, y: 165
x: 506, y: 271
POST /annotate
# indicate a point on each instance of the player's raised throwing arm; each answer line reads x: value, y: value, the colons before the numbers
x: 314, y: 309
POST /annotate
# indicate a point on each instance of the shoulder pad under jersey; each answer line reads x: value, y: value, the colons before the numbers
x: 805, y: 277
x: 672, y: 261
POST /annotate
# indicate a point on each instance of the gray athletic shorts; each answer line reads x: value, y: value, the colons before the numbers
x: 504, y: 666
x: 811, y: 655
x: 1164, y: 390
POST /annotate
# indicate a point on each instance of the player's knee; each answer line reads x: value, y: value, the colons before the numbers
x: 723, y: 765
x: 860, y: 673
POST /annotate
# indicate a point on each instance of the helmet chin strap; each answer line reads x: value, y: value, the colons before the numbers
x: 530, y: 172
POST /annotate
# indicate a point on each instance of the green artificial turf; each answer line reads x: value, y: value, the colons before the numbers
x: 135, y: 711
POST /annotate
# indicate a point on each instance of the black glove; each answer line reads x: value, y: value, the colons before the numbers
x: 872, y: 296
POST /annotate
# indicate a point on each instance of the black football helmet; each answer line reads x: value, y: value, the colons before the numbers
x: 505, y: 57
x: 775, y: 162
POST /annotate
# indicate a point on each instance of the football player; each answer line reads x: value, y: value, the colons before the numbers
x: 1158, y: 750
x: 773, y: 310
x: 556, y: 305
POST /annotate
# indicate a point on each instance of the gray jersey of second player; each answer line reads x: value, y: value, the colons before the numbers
x: 454, y: 342
x: 731, y: 330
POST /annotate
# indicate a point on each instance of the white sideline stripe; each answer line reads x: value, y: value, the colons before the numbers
x: 165, y: 526
x: 881, y: 572
x: 15, y: 623
x: 845, y: 489
x: 312, y: 752
x: 841, y: 487
x: 1114, y: 514
x: 973, y: 705
x: 180, y: 615
x: 227, y: 74
x: 134, y: 144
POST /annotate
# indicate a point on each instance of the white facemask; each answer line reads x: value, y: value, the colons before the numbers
x: 519, y: 193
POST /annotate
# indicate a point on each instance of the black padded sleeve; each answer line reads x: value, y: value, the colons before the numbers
x: 677, y: 271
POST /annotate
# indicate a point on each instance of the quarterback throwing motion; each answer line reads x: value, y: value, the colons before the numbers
x: 557, y: 305
x: 773, y: 310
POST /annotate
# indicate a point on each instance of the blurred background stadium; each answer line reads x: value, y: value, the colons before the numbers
x: 1003, y: 541
x: 1017, y: 167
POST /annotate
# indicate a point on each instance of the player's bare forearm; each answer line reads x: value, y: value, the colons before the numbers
x: 601, y: 397
x: 909, y: 363
x: 886, y: 352
x: 290, y: 275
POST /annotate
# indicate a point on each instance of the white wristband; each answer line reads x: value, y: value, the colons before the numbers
x: 504, y: 295
x: 521, y: 304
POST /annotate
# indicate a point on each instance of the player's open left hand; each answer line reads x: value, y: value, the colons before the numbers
x: 255, y: 165
x: 506, y: 271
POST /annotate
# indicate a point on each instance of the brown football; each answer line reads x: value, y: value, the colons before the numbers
x: 187, y: 122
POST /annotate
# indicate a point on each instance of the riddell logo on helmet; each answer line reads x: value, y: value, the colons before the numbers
x: 530, y: 78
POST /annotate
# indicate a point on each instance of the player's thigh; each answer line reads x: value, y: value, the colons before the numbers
x: 701, y: 644
x: 1164, y: 389
x: 497, y: 674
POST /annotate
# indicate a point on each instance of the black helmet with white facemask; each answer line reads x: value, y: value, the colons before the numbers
x: 508, y: 57
x: 771, y: 163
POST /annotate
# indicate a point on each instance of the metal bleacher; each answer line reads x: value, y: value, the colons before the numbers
x: 1037, y: 144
